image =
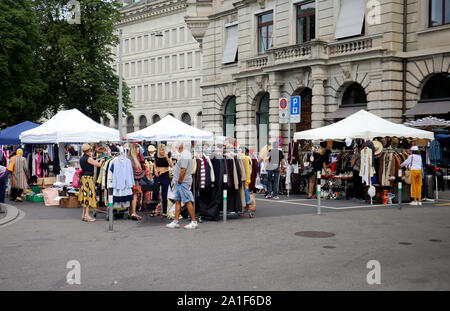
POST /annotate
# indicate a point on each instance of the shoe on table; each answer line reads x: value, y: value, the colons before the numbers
x: 192, y: 225
x: 174, y: 224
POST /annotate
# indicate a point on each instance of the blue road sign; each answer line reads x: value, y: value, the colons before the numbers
x: 295, y: 109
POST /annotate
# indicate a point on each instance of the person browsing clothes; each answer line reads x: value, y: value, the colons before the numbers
x: 182, y: 175
x: 87, y: 195
x: 414, y: 163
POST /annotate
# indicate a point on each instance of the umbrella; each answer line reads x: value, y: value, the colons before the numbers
x: 428, y: 122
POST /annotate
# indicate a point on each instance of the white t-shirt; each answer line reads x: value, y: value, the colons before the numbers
x: 414, y: 162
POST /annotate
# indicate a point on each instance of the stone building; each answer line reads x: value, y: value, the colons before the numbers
x: 390, y: 57
x: 161, y: 64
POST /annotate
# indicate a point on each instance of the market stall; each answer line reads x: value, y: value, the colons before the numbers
x: 69, y: 126
x: 10, y: 135
x: 370, y: 131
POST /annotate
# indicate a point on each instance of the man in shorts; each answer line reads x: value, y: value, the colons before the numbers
x: 182, y: 176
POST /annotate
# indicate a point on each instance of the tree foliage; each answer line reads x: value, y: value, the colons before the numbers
x: 20, y: 81
x: 48, y: 64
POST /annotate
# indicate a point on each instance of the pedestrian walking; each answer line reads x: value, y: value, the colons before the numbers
x: 414, y: 163
x: 276, y: 161
x: 182, y: 175
x: 87, y: 196
x: 18, y: 168
x: 4, y: 174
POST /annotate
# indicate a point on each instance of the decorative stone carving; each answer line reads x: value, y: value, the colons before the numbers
x: 261, y: 82
x: 262, y: 4
x: 347, y: 71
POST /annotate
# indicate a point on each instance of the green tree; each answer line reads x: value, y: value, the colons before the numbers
x: 76, y: 60
x: 20, y: 82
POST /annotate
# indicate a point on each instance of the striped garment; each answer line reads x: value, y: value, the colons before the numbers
x: 202, y: 174
x: 19, y: 176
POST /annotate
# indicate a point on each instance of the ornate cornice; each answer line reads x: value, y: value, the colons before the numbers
x: 151, y: 10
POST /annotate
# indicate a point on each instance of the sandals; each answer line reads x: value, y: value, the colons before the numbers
x: 88, y: 219
x: 135, y: 217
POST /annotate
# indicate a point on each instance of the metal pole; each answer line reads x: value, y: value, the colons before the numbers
x: 399, y: 189
x: 110, y: 208
x: 437, y: 189
x: 289, y: 140
x: 319, y: 176
x: 224, y: 209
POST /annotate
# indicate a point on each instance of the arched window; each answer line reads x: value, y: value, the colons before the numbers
x: 142, y: 122
x: 262, y: 121
x: 186, y: 118
x: 171, y: 114
x: 106, y: 122
x: 229, y: 118
x: 198, y: 122
x: 354, y: 95
x: 130, y: 124
x: 436, y: 88
x: 155, y: 118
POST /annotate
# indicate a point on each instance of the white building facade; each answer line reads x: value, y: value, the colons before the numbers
x: 161, y: 64
x: 389, y: 57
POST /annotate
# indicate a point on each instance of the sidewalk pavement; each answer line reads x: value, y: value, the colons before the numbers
x: 10, y: 213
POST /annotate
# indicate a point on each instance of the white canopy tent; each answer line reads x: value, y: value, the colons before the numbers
x: 364, y: 125
x: 69, y: 126
x: 171, y: 129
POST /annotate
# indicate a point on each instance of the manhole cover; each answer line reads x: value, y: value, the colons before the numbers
x: 405, y: 243
x: 329, y: 246
x: 314, y: 234
x: 435, y: 240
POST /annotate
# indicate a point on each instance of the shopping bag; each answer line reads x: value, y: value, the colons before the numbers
x: 76, y: 179
x: 407, y: 177
x: 49, y: 196
x: 11, y: 166
x: 171, y: 191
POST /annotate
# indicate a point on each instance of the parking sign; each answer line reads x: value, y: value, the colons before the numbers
x: 295, y: 109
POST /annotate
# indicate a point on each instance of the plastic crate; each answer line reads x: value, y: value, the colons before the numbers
x: 35, y: 198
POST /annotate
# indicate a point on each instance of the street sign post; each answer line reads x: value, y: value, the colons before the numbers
x: 295, y: 109
x: 283, y: 110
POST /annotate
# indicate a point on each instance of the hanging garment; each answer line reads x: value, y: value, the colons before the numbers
x: 435, y: 152
x: 56, y: 165
x: 254, y: 174
x: 366, y: 171
x: 123, y: 180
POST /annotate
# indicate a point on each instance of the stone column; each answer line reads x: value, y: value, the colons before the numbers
x: 318, y: 97
x: 245, y: 118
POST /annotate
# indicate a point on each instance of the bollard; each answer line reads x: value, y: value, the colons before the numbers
x: 400, y: 189
x: 224, y: 210
x: 111, y: 217
x: 319, y: 176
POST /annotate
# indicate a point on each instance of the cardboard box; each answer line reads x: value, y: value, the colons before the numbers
x: 46, y: 182
x: 69, y: 202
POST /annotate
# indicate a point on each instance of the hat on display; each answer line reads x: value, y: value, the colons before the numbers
x: 394, y: 142
x: 378, y: 148
x: 151, y: 149
x: 348, y: 142
x: 414, y: 148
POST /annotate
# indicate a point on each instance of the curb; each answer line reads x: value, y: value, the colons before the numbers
x: 11, y: 213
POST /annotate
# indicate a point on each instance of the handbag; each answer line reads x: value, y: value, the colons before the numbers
x: 308, y: 171
x: 11, y: 166
x: 76, y: 179
x: 407, y: 177
x: 49, y: 196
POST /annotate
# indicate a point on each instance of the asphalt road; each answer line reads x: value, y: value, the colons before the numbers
x: 261, y: 253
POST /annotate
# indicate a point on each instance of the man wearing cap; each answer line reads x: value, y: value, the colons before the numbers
x: 182, y: 176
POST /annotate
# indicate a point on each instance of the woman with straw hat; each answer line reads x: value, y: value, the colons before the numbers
x: 86, y: 195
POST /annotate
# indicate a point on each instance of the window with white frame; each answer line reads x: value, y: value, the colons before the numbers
x: 351, y: 19
x: 146, y: 67
x: 181, y: 89
x: 174, y: 36
x: 189, y: 88
x: 145, y: 92
x: 181, y: 34
x: 139, y: 43
x: 160, y: 91
x: 174, y: 89
x: 197, y: 59
x: 230, y: 53
x: 132, y: 45
x: 160, y: 65
x: 127, y: 45
x: 139, y: 68
x: 189, y: 60
x: 133, y: 69
x: 265, y: 32
x: 197, y: 88
x: 146, y: 42
x: 181, y: 61
x: 167, y: 38
x: 152, y: 41
x: 167, y: 90
x: 174, y: 63
x: 152, y: 66
x: 152, y: 92
x: 127, y: 70
x: 167, y: 64
x: 139, y: 93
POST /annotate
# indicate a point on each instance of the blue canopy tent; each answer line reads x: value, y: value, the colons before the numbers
x: 10, y: 135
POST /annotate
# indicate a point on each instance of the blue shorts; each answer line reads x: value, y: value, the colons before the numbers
x: 183, y: 193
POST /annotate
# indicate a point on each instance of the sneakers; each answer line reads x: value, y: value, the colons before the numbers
x: 413, y: 203
x: 276, y: 197
x: 420, y: 203
x: 268, y: 196
x: 192, y: 225
x: 174, y: 224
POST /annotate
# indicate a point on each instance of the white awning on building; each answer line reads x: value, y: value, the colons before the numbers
x: 351, y: 18
x: 231, y: 47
